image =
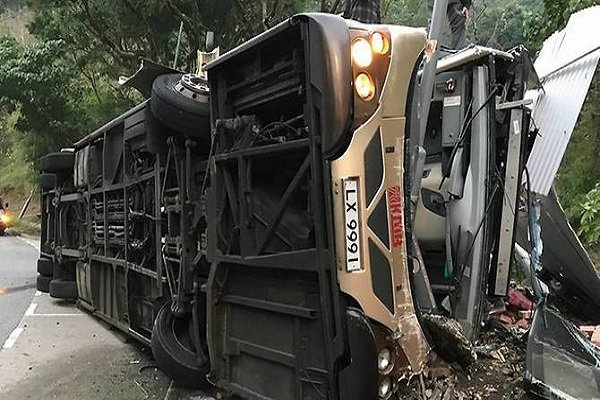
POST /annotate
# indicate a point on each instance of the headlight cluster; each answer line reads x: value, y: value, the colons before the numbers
x: 391, y: 362
x: 385, y: 365
x: 370, y: 54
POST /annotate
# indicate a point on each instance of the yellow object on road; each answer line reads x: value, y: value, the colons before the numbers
x: 6, y: 218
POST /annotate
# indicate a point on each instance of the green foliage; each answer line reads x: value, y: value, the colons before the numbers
x: 117, y: 33
x: 16, y: 173
x: 53, y: 102
x: 589, y: 228
x: 28, y: 225
x: 555, y: 16
x: 12, y: 4
x: 579, y: 173
x: 502, y: 24
x: 35, y: 80
x: 405, y: 12
x: 495, y: 23
x: 65, y: 84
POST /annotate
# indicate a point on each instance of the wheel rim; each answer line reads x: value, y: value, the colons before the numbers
x: 194, y: 83
x: 197, y: 96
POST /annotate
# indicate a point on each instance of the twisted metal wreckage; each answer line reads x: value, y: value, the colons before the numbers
x: 289, y: 235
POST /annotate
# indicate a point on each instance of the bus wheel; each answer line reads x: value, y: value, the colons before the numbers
x: 358, y: 380
x: 45, y: 267
x: 181, y: 105
x: 43, y: 283
x: 50, y: 181
x: 63, y: 289
x: 58, y: 162
x: 174, y: 350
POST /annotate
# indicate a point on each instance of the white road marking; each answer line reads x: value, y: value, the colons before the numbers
x: 35, y: 245
x: 31, y: 310
x: 12, y: 338
x: 58, y: 315
x: 176, y: 393
x: 14, y: 335
x: 32, y: 307
x: 169, y: 391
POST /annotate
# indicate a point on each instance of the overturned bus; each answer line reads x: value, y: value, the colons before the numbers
x: 275, y: 231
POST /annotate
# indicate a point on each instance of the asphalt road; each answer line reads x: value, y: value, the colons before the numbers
x: 52, y: 344
x: 18, y: 274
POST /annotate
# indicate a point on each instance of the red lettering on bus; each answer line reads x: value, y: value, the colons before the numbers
x: 396, y: 210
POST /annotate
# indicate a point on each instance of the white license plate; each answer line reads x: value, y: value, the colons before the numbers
x: 351, y: 207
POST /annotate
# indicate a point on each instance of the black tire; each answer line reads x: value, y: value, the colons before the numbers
x: 43, y: 283
x: 49, y: 181
x: 63, y: 289
x: 184, y: 115
x: 58, y: 162
x: 45, y: 267
x: 156, y: 134
x: 65, y: 270
x: 359, y: 380
x: 174, y: 351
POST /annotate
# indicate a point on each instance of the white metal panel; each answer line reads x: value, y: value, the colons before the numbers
x: 467, y: 55
x: 581, y: 35
x: 566, y: 66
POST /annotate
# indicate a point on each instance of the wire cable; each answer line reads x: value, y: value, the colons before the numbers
x: 462, y: 136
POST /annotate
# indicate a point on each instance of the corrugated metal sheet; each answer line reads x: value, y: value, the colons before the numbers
x: 566, y: 66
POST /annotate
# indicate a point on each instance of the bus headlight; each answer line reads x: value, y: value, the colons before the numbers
x: 379, y: 43
x: 385, y: 389
x: 362, y: 55
x: 384, y: 360
x: 364, y: 86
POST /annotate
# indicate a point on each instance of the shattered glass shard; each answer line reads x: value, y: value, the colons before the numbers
x: 561, y: 362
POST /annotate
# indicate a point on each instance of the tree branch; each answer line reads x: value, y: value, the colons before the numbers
x: 97, y: 30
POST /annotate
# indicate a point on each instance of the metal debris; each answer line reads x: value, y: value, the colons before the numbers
x: 449, y: 340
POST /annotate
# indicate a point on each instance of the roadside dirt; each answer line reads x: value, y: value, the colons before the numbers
x: 16, y: 200
x: 497, y: 374
x: 96, y: 374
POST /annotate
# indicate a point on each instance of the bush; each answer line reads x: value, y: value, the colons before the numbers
x: 589, y: 228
